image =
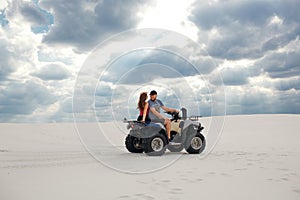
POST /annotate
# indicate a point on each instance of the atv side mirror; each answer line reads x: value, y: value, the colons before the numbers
x: 184, y: 113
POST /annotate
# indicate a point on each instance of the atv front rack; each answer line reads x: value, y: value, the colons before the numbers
x: 194, y: 117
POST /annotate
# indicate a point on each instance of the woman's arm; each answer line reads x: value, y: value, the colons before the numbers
x: 145, y: 111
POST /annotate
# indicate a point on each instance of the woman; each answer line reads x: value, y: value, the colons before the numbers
x: 143, y: 106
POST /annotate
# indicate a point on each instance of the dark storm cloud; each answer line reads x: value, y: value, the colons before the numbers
x: 243, y: 27
x: 29, y: 10
x: 265, y: 32
x: 224, y: 13
x: 52, y: 72
x: 281, y: 65
x: 234, y: 76
x: 32, y: 13
x: 204, y: 65
x: 144, y: 66
x: 288, y: 84
x: 260, y: 103
x: 280, y: 41
x: 253, y: 100
x: 85, y: 23
x: 23, y: 98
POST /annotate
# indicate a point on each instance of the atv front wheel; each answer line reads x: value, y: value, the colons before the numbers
x: 195, y: 144
x: 133, y: 144
x: 155, y: 145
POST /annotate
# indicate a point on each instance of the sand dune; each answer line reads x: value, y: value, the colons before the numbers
x: 257, y: 157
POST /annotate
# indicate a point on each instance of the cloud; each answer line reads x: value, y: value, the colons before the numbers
x: 218, y: 14
x: 144, y: 66
x: 248, y: 100
x: 19, y: 98
x: 254, y: 45
x: 120, y: 99
x: 52, y: 72
x: 230, y: 76
x: 32, y: 13
x: 282, y: 105
x: 281, y: 64
x: 279, y: 41
x: 24, y: 97
x: 178, y: 62
x: 18, y: 44
x: 103, y: 89
x: 288, y: 84
x: 28, y: 12
x: 84, y: 24
x: 276, y: 84
x: 6, y: 66
x: 246, y: 29
x: 264, y: 94
x: 3, y: 19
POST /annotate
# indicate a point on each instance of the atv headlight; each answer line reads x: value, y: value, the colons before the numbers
x: 195, y: 127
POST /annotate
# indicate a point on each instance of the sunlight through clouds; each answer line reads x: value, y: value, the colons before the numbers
x: 172, y: 15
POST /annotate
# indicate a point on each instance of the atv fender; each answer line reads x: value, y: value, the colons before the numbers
x: 188, y: 128
x: 147, y: 131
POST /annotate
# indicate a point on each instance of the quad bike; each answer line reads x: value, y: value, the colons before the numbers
x: 152, y: 138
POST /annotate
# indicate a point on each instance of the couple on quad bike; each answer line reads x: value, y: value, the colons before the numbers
x: 150, y: 111
x: 153, y: 133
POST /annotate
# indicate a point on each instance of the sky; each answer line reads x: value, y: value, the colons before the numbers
x: 236, y: 57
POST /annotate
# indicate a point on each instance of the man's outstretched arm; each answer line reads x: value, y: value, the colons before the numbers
x: 165, y: 108
x: 157, y: 114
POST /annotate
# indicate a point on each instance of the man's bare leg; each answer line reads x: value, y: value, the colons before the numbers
x: 168, y: 128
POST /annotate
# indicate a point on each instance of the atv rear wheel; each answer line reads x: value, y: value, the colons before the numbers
x: 195, y: 144
x: 133, y: 144
x: 155, y: 145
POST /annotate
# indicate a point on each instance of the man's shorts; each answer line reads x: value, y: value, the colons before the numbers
x: 162, y: 121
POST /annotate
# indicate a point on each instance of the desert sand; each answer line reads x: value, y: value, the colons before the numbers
x: 256, y: 157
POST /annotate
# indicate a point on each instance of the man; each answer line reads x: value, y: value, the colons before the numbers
x: 154, y: 114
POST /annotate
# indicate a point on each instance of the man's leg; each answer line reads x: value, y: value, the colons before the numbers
x: 166, y: 123
x: 168, y: 128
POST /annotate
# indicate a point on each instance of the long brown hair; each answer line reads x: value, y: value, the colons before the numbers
x: 142, y: 99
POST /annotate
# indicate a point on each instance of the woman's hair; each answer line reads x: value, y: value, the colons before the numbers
x: 142, y: 99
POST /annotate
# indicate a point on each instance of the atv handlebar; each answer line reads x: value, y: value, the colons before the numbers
x: 175, y: 116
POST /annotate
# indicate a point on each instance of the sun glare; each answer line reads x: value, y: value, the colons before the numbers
x: 172, y: 15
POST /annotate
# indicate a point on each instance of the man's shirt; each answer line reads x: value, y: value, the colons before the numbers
x: 157, y: 104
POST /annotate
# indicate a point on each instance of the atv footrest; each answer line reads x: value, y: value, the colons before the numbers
x: 174, y: 143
